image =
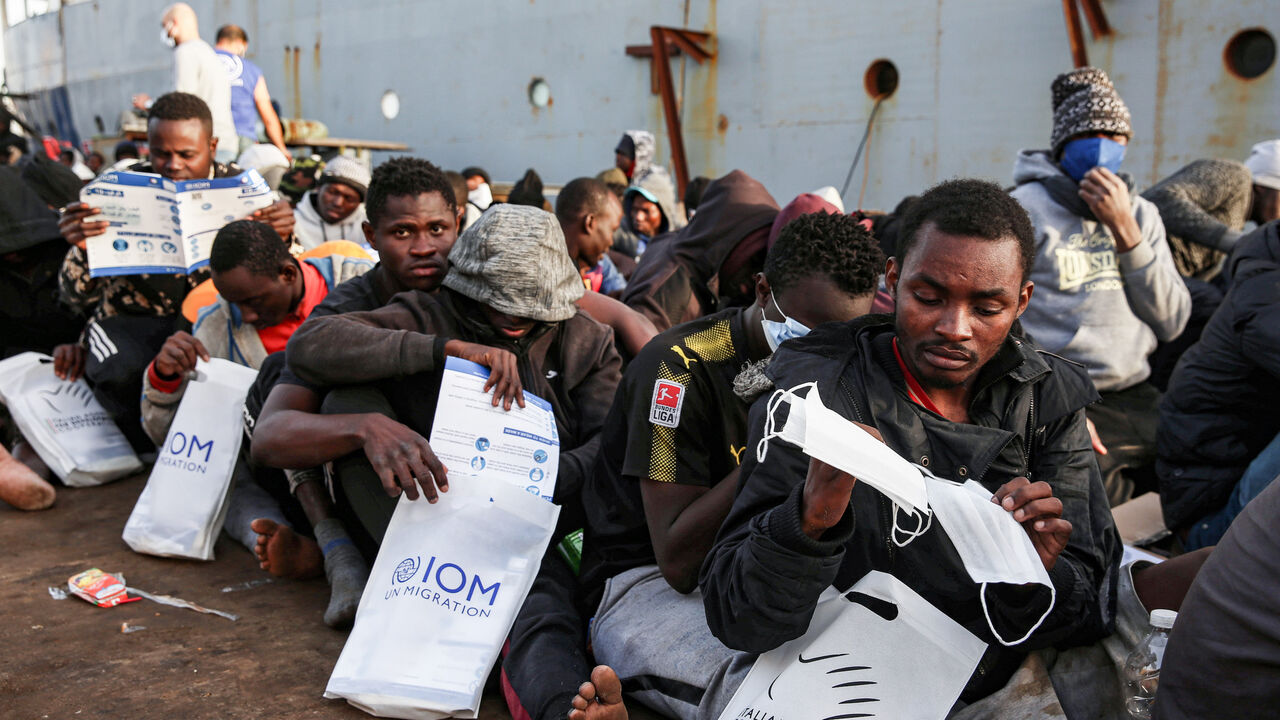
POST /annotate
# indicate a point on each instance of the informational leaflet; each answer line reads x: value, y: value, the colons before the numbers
x: 165, y: 226
x: 472, y: 437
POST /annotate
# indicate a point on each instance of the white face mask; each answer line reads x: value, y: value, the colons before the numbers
x: 826, y: 435
x: 992, y: 545
x: 166, y: 38
x: 775, y: 333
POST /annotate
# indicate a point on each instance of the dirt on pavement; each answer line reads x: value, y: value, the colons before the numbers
x: 69, y: 659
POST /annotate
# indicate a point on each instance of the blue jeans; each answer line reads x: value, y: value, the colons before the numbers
x: 1264, y: 468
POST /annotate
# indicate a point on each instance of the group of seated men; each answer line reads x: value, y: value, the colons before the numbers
x: 1019, y: 322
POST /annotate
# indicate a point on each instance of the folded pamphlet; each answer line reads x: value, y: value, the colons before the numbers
x: 165, y: 226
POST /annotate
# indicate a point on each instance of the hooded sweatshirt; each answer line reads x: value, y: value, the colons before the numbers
x: 657, y: 187
x: 644, y: 150
x: 1102, y: 309
x: 312, y: 231
x: 678, y: 280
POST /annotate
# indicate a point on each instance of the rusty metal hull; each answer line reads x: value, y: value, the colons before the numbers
x: 783, y: 98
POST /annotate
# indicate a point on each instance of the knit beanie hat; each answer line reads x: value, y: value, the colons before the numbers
x: 1085, y: 101
x: 514, y: 260
x: 349, y: 172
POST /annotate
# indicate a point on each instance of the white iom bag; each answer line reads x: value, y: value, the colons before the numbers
x: 64, y: 423
x: 879, y: 650
x: 180, y: 511
x: 441, y: 599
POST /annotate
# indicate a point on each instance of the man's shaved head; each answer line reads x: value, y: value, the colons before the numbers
x: 183, y: 20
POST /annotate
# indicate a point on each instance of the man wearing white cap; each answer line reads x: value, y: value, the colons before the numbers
x: 1264, y: 163
x: 335, y: 209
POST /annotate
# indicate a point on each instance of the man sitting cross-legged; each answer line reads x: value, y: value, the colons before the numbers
x: 671, y: 449
x: 412, y: 224
x: 947, y: 386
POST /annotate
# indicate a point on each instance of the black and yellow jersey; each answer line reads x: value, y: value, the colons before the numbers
x: 675, y: 419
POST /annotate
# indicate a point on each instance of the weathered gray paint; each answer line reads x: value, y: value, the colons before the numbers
x: 788, y: 79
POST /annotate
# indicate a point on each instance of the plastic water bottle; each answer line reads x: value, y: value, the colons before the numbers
x: 1142, y: 668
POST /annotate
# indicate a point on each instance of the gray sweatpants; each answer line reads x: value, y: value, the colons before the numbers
x: 658, y: 642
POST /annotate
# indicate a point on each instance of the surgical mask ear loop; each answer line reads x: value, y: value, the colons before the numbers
x: 924, y: 522
x: 770, y: 432
x: 770, y: 421
x: 982, y: 595
x: 925, y: 514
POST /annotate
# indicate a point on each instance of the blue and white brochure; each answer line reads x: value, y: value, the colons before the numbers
x: 472, y: 437
x: 165, y: 226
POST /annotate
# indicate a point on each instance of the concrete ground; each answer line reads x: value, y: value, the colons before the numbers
x: 69, y: 659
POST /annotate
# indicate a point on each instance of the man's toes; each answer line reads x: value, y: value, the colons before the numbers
x: 587, y: 693
x: 264, y: 526
x: 607, y: 684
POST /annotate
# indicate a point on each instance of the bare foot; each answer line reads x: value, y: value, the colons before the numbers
x: 21, y: 487
x: 600, y: 698
x: 284, y: 553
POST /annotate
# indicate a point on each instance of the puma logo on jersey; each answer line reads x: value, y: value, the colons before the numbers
x: 680, y: 351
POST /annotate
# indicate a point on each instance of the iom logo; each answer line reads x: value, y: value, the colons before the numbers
x: 407, y: 568
x: 444, y: 584
x: 186, y: 452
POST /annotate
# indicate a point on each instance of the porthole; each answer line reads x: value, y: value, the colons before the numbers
x: 539, y: 93
x: 881, y: 79
x: 1250, y: 53
x: 390, y: 104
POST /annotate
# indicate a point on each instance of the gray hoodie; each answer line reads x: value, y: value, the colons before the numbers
x: 312, y: 231
x: 1103, y: 309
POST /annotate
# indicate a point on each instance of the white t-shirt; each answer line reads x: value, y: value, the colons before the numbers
x: 197, y: 70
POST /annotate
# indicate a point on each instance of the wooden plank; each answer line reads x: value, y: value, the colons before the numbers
x: 332, y: 142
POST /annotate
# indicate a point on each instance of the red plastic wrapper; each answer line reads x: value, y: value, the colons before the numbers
x: 100, y: 588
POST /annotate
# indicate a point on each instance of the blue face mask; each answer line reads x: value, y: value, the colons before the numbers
x: 1082, y: 155
x: 775, y: 333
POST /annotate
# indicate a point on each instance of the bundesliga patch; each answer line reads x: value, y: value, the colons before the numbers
x: 667, y: 398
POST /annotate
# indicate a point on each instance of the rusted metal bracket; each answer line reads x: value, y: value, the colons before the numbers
x: 665, y: 43
x: 1098, y: 25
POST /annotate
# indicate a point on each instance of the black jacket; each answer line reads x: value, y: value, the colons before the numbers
x: 762, y: 579
x: 1220, y: 409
